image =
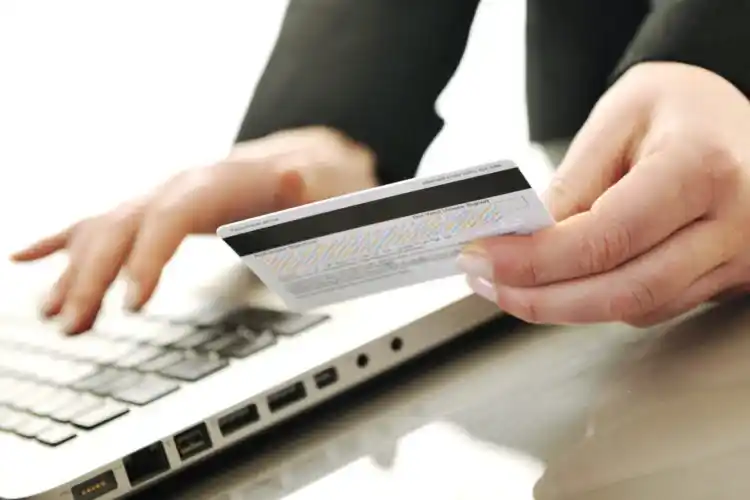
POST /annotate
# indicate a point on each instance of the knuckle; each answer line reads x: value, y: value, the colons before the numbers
x: 528, y: 272
x: 560, y: 198
x: 83, y: 295
x: 717, y: 169
x: 636, y: 300
x: 606, y: 251
x: 125, y: 216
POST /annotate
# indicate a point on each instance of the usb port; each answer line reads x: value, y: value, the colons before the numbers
x: 327, y: 377
x: 286, y: 396
x: 236, y: 420
x: 192, y: 441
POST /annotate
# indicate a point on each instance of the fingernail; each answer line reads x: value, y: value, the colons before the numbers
x: 132, y: 294
x: 69, y: 320
x: 474, y: 262
x: 483, y: 288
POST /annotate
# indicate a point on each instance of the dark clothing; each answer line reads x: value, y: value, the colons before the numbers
x: 374, y: 69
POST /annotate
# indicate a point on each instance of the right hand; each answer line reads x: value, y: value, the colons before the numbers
x: 140, y: 236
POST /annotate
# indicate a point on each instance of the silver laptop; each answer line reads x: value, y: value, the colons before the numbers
x: 141, y: 397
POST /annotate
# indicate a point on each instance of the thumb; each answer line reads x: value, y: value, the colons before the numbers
x: 598, y: 156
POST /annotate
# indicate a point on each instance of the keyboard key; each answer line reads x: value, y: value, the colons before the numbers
x: 10, y: 419
x: 56, y: 434
x: 256, y: 318
x: 85, y: 403
x: 140, y: 355
x: 36, y: 366
x: 194, y: 368
x: 198, y: 338
x: 31, y: 426
x: 34, y: 394
x: 162, y: 362
x: 136, y: 328
x: 65, y: 372
x: 169, y: 335
x: 13, y: 389
x: 220, y: 342
x: 98, y: 379
x: 248, y: 344
x: 92, y: 348
x: 125, y: 380
x: 149, y: 389
x: 107, y: 412
x: 62, y: 398
x: 293, y: 324
x: 6, y: 384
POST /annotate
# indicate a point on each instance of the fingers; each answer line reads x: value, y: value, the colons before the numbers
x: 712, y: 285
x: 629, y: 292
x: 657, y: 198
x: 203, y: 200
x: 43, y: 247
x: 596, y: 159
x: 56, y: 298
x: 160, y: 235
x: 97, y: 264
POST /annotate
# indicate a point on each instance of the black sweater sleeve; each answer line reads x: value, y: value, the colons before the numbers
x: 712, y: 34
x: 372, y: 69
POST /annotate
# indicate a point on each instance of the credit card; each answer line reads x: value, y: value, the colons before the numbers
x: 386, y: 237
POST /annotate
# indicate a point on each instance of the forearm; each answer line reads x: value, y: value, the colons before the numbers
x: 712, y: 34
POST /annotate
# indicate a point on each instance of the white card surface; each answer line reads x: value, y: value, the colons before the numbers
x: 383, y: 238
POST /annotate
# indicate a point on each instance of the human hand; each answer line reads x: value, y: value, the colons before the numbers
x: 141, y: 235
x: 652, y: 203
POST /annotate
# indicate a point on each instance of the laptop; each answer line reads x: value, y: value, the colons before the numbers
x: 140, y: 397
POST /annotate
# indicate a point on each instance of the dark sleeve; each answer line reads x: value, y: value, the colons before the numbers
x: 572, y: 47
x: 712, y: 34
x: 372, y: 69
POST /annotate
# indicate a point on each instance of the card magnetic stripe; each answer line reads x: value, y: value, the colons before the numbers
x: 385, y: 209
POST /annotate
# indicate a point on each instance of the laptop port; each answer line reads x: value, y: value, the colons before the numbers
x: 397, y: 344
x: 286, y: 396
x: 192, y: 441
x: 95, y: 487
x: 363, y: 360
x: 232, y: 422
x: 146, y: 463
x: 327, y: 377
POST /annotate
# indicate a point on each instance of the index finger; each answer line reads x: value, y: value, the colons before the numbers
x: 656, y: 198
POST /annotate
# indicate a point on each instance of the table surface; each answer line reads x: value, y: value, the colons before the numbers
x: 513, y: 412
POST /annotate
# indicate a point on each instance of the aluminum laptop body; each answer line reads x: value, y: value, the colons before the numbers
x: 234, y: 371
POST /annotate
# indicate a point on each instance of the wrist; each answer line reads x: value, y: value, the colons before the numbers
x: 320, y: 163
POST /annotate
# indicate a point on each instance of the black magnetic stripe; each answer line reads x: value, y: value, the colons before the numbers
x: 382, y: 210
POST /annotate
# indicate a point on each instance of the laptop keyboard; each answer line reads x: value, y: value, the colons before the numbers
x: 54, y: 388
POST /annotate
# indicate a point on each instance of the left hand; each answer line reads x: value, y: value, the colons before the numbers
x: 653, y: 209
